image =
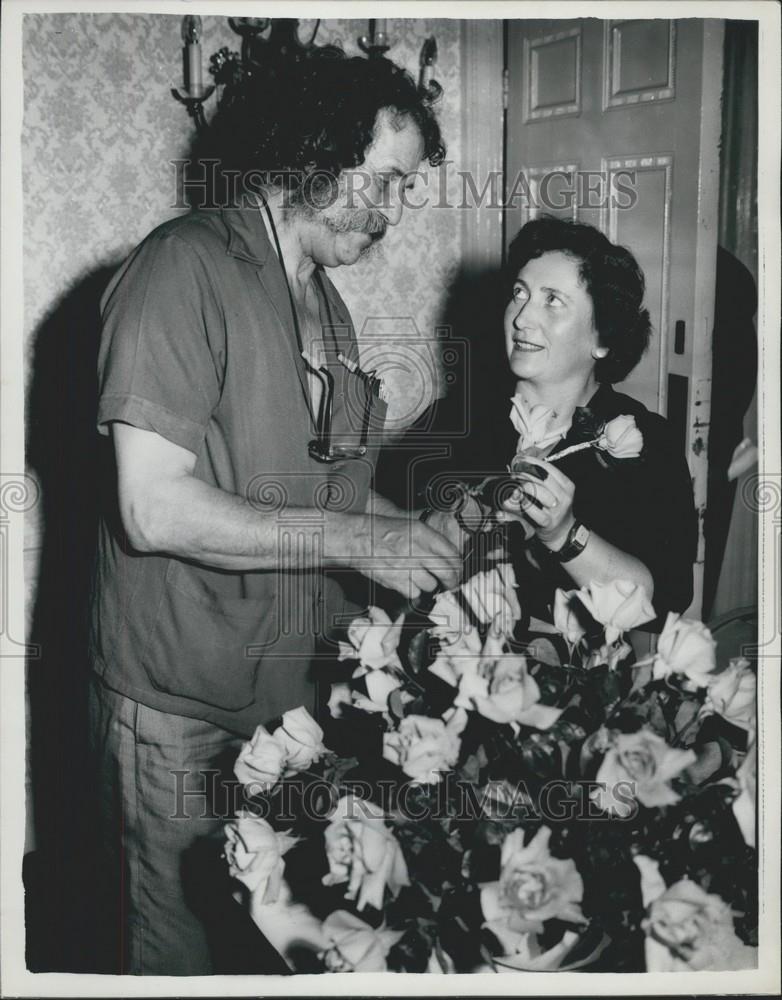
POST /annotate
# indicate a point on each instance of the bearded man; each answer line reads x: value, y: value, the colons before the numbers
x: 244, y: 434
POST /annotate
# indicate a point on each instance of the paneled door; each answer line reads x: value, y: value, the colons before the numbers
x: 616, y: 123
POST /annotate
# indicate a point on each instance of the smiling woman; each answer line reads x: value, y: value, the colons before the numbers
x: 549, y: 324
x: 574, y: 324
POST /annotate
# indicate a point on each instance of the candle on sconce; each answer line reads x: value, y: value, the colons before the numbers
x: 378, y: 31
x: 428, y: 61
x: 191, y: 36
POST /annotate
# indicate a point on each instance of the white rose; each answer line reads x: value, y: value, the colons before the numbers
x: 373, y: 640
x: 379, y: 686
x: 533, y: 887
x: 535, y: 426
x: 492, y: 597
x: 695, y: 928
x: 618, y: 606
x: 565, y: 619
x: 425, y: 747
x: 644, y: 764
x: 611, y: 654
x: 454, y: 659
x: 744, y: 805
x: 499, y: 688
x: 452, y: 625
x: 254, y: 851
x: 340, y: 695
x: 302, y: 738
x: 733, y: 694
x: 261, y: 761
x: 363, y: 852
x: 685, y: 647
x: 354, y: 946
x: 621, y: 438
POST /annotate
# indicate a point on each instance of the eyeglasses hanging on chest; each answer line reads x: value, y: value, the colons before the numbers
x: 323, y: 448
x: 352, y: 443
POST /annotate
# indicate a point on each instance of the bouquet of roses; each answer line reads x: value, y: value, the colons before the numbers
x: 480, y: 802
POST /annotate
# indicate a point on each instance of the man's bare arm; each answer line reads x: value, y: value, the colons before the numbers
x: 165, y: 509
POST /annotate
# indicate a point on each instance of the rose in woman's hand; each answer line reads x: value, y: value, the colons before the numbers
x: 545, y: 505
x: 621, y: 438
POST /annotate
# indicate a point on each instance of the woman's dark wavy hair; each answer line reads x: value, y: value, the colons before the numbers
x: 316, y: 115
x: 612, y: 278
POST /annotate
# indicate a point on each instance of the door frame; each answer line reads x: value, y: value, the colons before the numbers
x: 483, y: 139
x: 705, y: 277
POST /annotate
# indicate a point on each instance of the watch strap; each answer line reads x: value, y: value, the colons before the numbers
x: 575, y: 543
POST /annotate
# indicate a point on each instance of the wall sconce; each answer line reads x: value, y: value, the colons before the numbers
x: 249, y: 29
x: 428, y: 61
x: 376, y: 42
x: 194, y: 93
x: 266, y: 42
x: 281, y: 43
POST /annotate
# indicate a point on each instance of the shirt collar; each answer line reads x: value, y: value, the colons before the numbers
x: 247, y: 236
x: 249, y: 240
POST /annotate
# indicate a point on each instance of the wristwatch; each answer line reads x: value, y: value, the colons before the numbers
x: 575, y: 543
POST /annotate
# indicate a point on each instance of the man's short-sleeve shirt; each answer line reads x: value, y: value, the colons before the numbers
x: 199, y: 346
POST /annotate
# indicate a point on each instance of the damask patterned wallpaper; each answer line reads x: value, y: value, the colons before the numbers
x: 100, y: 131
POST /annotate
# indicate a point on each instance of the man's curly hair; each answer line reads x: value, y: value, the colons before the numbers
x: 316, y: 116
x: 612, y: 278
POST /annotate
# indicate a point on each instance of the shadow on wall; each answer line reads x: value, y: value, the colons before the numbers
x: 468, y: 431
x: 66, y: 454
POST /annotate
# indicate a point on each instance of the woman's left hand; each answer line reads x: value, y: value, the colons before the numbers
x: 546, y: 505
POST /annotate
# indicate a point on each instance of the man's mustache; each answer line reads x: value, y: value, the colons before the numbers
x: 361, y: 220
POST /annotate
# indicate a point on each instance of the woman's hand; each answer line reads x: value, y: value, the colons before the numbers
x: 544, y: 502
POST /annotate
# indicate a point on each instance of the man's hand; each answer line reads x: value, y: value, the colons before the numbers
x: 166, y: 509
x: 473, y: 517
x: 404, y: 555
x: 447, y: 525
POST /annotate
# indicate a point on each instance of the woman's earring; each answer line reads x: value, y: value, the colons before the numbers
x: 598, y: 353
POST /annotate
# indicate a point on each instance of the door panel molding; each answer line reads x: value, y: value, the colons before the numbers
x: 547, y: 200
x: 617, y: 95
x: 610, y: 218
x: 542, y: 99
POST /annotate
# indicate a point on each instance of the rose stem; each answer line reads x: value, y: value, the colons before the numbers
x: 572, y: 450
